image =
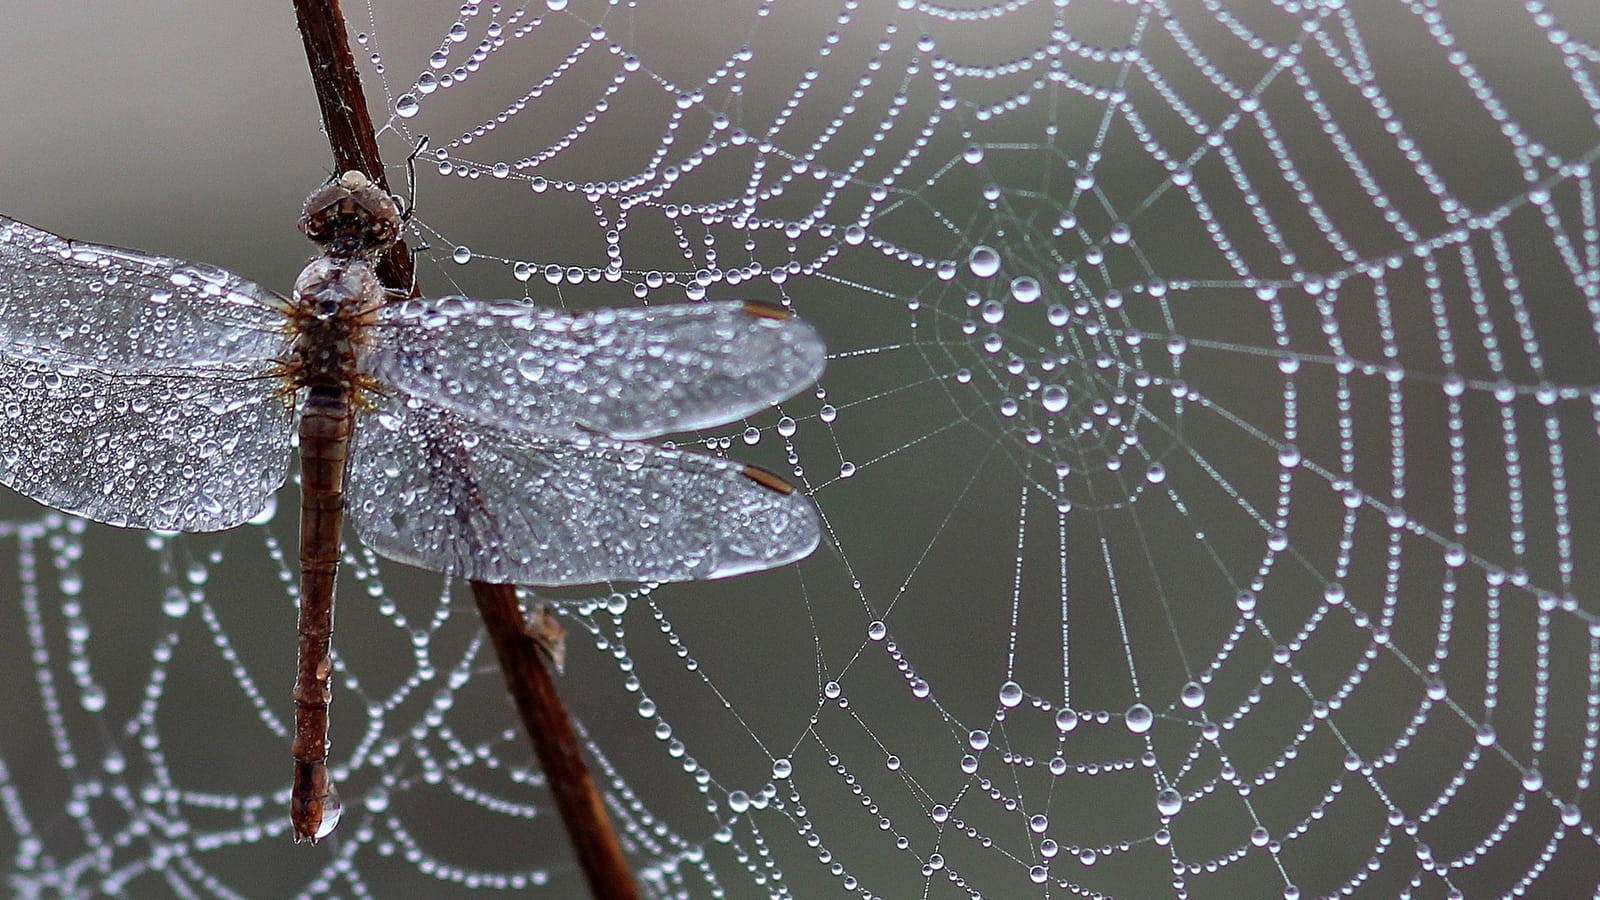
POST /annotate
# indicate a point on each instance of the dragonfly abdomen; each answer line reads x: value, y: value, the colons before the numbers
x: 324, y: 440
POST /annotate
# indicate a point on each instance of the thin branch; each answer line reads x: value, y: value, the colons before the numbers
x: 344, y: 114
x: 355, y: 146
x: 528, y: 678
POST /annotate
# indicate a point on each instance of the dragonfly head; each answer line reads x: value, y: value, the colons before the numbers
x: 351, y: 216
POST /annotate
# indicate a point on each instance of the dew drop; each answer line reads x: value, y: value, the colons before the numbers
x: 1010, y: 694
x: 1025, y: 289
x: 406, y: 106
x: 1193, y: 695
x: 984, y: 261
x: 93, y: 699
x: 1139, y: 718
x: 1169, y: 802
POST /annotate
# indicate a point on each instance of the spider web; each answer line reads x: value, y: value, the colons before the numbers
x: 1203, y: 456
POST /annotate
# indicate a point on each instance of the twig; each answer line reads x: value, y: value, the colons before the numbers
x: 355, y: 146
x: 345, y: 115
x: 533, y: 689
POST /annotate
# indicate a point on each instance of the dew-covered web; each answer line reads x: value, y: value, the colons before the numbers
x: 1206, y: 456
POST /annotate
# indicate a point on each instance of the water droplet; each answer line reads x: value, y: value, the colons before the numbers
x: 978, y: 740
x: 738, y: 801
x: 1139, y: 718
x: 1025, y: 289
x: 332, y: 810
x: 93, y: 699
x: 1010, y: 694
x: 983, y: 261
x: 782, y: 768
x: 1168, y: 802
x: 1193, y: 695
x: 406, y: 106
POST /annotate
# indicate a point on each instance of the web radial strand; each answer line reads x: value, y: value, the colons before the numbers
x: 199, y: 452
x: 628, y: 373
x: 455, y: 495
x: 71, y: 303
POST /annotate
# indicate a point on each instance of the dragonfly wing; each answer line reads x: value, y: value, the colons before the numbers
x: 432, y: 488
x: 70, y: 303
x: 199, y: 452
x: 629, y: 373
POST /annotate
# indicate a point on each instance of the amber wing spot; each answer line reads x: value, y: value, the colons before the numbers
x: 763, y: 310
x: 767, y: 480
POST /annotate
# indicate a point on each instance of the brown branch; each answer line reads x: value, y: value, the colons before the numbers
x: 345, y: 116
x: 533, y: 689
x: 355, y: 146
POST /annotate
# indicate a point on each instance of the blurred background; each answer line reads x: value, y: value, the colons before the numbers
x: 1203, y: 453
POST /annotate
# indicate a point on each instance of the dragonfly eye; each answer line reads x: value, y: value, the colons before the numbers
x: 351, y: 216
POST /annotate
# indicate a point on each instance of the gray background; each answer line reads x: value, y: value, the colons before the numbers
x: 190, y: 129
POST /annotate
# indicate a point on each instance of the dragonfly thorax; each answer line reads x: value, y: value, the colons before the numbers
x: 335, y: 298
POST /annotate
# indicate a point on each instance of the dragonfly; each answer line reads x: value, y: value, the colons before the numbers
x: 488, y: 440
